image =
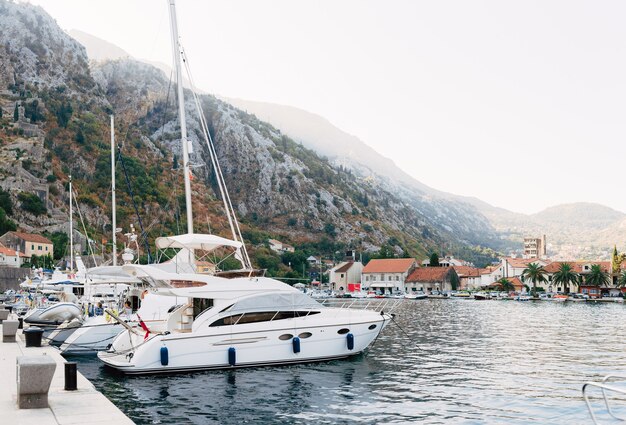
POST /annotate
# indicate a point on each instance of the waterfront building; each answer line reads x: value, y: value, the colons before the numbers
x: 27, y: 243
x: 429, y: 279
x: 10, y: 257
x: 387, y: 275
x: 469, y: 277
x: 510, y: 267
x: 535, y: 247
x: 346, y: 276
x: 583, y: 268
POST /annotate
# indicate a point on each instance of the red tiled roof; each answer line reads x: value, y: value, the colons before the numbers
x: 429, y: 274
x: 30, y: 237
x: 345, y: 267
x: 389, y: 265
x: 577, y: 266
x: 467, y: 271
x: 10, y: 252
x: 517, y: 283
x: 520, y: 262
x: 514, y: 281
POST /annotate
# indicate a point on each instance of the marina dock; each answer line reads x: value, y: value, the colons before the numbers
x: 84, y: 406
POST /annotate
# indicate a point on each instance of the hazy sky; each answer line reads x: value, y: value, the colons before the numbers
x: 519, y: 103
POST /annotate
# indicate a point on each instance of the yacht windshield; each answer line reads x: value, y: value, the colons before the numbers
x: 276, y: 301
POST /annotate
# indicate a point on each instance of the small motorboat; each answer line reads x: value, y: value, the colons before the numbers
x: 481, y: 296
x: 54, y: 314
x: 416, y: 296
x: 522, y: 298
x: 578, y: 298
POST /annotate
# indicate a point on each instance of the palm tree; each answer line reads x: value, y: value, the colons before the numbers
x: 597, y: 276
x: 506, y: 285
x: 621, y: 282
x: 566, y: 276
x: 536, y: 274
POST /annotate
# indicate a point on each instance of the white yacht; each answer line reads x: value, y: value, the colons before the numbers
x: 238, y: 322
x: 247, y: 321
x: 98, y: 331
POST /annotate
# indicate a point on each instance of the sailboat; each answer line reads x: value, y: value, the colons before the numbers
x: 238, y: 322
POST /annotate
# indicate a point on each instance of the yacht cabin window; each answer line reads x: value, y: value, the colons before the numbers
x: 260, y: 316
x: 200, y: 305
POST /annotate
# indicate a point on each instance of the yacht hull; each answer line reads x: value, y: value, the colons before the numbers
x: 271, y: 347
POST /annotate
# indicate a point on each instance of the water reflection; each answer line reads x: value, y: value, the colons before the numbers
x: 461, y: 361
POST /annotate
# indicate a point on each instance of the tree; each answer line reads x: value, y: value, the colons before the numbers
x: 80, y: 137
x: 16, y: 113
x: 454, y: 281
x: 434, y: 260
x: 60, y: 240
x: 621, y: 282
x: 536, y: 274
x: 506, y: 285
x: 6, y: 225
x: 64, y: 113
x: 616, y: 260
x: 32, y: 203
x: 566, y: 276
x: 5, y: 202
x: 597, y: 276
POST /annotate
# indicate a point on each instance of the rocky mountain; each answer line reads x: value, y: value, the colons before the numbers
x: 55, y: 114
x: 580, y: 230
x: 453, y: 213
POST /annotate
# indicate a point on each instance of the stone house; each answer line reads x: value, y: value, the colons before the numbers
x: 346, y: 276
x: 387, y: 275
x: 28, y: 244
x: 10, y: 257
x: 429, y: 279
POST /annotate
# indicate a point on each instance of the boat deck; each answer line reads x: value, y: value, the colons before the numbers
x: 83, y: 406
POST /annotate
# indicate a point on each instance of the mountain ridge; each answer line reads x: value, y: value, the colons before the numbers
x: 278, y: 187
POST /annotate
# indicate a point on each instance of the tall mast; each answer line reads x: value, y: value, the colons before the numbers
x: 71, y: 229
x: 113, y: 218
x: 181, y: 114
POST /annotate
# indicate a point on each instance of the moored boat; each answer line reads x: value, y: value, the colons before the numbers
x: 242, y: 322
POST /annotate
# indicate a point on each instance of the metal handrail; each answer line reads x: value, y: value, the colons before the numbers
x: 387, y: 304
x: 604, y: 388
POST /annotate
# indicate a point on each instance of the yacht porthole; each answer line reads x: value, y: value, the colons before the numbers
x: 305, y: 335
x: 343, y: 331
x: 285, y: 337
x: 372, y: 327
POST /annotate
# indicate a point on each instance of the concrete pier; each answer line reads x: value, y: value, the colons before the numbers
x: 83, y: 406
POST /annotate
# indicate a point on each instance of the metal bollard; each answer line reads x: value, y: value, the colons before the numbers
x: 70, y: 376
x: 21, y: 323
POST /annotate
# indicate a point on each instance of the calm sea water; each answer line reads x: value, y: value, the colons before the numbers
x: 463, y: 361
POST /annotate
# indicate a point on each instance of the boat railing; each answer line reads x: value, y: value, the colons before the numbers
x: 387, y: 305
x: 605, y: 388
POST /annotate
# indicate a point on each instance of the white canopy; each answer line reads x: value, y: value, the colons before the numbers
x: 196, y: 241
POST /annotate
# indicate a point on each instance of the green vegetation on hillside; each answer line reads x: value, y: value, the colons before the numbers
x: 31, y: 203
